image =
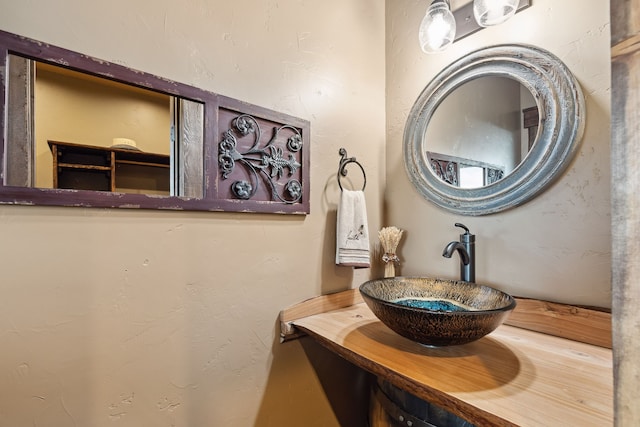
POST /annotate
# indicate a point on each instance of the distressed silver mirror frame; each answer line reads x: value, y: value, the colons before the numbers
x: 561, y: 109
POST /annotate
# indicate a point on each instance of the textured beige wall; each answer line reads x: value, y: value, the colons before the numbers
x: 556, y: 247
x: 145, y: 318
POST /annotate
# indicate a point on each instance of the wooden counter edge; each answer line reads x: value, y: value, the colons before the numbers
x: 315, y: 305
x: 575, y: 323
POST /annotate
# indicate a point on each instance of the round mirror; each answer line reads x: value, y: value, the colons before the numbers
x: 493, y: 129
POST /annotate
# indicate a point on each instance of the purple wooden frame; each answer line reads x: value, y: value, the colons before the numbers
x: 214, y: 199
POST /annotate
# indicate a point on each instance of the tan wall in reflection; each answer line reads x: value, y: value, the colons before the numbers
x: 90, y: 111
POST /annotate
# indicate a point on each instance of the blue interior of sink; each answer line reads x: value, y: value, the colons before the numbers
x: 432, y: 304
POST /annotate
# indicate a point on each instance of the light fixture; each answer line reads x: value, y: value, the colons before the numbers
x: 438, y: 27
x: 441, y: 27
x: 494, y: 12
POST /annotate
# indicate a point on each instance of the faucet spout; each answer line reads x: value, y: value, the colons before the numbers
x: 462, y: 251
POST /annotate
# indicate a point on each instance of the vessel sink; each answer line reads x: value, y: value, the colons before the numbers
x: 437, y: 312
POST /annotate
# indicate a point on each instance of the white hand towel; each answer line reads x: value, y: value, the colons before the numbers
x: 352, y: 230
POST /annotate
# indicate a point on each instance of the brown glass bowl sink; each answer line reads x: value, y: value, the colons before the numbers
x: 437, y: 312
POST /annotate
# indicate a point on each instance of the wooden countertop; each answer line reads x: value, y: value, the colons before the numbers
x: 511, y: 377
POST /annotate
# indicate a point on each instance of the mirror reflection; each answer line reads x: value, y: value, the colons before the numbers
x: 85, y: 132
x: 494, y: 127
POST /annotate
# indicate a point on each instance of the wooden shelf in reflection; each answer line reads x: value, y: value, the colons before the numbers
x: 87, y: 167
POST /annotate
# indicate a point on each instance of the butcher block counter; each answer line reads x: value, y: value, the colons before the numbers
x: 511, y: 377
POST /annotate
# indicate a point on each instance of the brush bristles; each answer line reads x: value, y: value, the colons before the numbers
x: 389, y: 238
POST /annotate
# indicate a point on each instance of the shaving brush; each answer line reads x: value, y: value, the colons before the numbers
x: 389, y: 239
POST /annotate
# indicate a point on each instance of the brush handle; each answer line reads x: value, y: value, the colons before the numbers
x: 389, y: 269
x: 390, y: 260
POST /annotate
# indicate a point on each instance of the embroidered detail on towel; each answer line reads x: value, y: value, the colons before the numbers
x: 356, y: 235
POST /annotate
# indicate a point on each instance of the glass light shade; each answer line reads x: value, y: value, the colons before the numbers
x: 438, y: 27
x: 494, y: 12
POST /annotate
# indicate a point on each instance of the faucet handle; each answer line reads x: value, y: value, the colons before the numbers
x: 466, y: 237
x: 464, y: 227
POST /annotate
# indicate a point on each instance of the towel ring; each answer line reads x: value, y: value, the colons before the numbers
x: 344, y: 161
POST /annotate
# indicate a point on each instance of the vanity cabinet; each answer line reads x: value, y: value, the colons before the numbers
x: 86, y: 167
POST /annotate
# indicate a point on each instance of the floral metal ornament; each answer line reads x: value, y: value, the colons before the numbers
x: 268, y: 164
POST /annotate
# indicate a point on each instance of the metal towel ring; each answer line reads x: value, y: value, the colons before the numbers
x: 344, y: 161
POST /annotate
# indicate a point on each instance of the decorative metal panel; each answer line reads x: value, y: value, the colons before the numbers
x: 262, y: 162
